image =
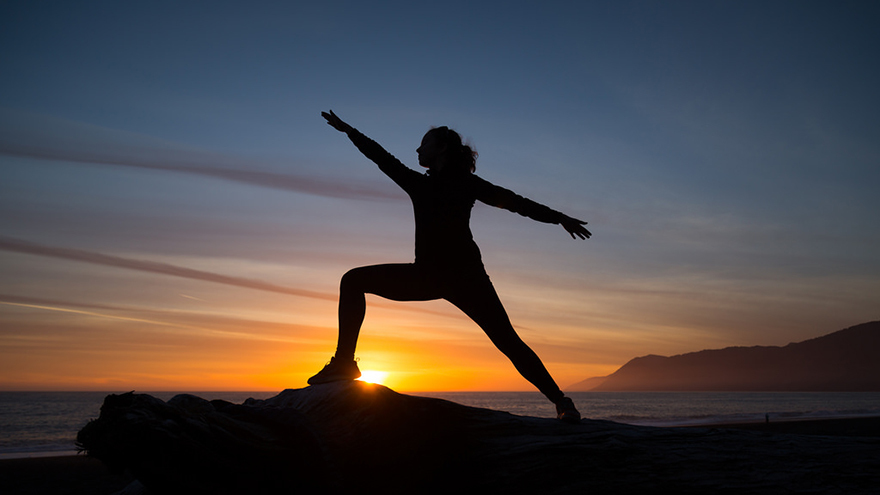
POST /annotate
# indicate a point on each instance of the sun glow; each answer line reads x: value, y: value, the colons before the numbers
x: 371, y: 376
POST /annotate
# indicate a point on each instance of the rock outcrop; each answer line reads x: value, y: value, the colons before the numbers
x: 354, y: 437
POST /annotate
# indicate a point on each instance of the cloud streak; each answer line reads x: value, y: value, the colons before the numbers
x: 26, y: 247
x: 208, y: 326
x: 12, y: 244
x: 48, y: 138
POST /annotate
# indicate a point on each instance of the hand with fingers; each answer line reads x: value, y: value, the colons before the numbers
x: 575, y: 228
x: 336, y: 123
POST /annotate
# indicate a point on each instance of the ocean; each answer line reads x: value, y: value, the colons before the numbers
x: 36, y: 424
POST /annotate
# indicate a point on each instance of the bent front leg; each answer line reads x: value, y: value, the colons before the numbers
x: 398, y: 282
x: 351, y: 313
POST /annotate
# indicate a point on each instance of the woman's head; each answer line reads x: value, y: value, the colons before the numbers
x: 442, y: 149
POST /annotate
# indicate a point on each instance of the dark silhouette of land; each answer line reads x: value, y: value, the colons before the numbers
x: 842, y: 361
x: 354, y: 437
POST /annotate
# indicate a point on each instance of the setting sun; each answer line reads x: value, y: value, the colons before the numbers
x: 371, y: 376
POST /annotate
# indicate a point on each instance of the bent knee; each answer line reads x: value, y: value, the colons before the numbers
x: 354, y: 280
x: 350, y: 280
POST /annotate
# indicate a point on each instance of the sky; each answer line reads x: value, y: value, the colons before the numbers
x: 176, y: 215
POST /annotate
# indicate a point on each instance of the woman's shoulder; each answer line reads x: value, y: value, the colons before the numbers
x: 481, y: 184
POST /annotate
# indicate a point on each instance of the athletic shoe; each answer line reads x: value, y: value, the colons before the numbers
x: 566, y: 411
x: 335, y: 371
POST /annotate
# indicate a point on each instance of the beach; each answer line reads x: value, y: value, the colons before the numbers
x: 849, y: 427
x: 81, y: 474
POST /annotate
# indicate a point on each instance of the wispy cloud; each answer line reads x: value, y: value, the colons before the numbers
x: 40, y: 301
x: 49, y: 138
x: 214, y: 326
x: 26, y: 247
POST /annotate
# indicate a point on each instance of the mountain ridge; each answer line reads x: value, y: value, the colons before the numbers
x: 845, y: 360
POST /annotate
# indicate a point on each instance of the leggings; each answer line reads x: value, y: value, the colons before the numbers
x: 471, y: 291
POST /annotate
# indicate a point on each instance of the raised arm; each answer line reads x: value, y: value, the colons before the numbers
x: 391, y: 166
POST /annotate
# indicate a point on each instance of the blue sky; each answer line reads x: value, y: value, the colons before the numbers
x: 724, y: 153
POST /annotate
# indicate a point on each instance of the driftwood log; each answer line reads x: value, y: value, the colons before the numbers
x: 354, y: 437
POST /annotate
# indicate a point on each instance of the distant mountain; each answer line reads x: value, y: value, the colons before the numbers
x: 847, y: 360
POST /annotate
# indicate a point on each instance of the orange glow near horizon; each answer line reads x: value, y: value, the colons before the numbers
x: 118, y: 349
x: 231, y: 340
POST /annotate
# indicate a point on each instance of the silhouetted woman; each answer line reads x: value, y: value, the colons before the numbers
x: 447, y: 262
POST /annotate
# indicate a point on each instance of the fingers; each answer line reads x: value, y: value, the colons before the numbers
x: 335, y: 122
x: 575, y: 229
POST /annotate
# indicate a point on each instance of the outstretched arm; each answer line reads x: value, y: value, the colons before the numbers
x: 336, y: 123
x: 575, y: 227
x: 391, y: 166
x: 504, y: 198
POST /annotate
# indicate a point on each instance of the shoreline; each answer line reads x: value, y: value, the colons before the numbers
x: 61, y: 454
x: 81, y: 474
x: 853, y: 426
x: 868, y: 426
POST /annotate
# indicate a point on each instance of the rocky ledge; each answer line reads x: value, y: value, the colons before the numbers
x: 350, y: 437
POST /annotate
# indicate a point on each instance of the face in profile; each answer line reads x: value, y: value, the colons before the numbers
x: 430, y: 152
